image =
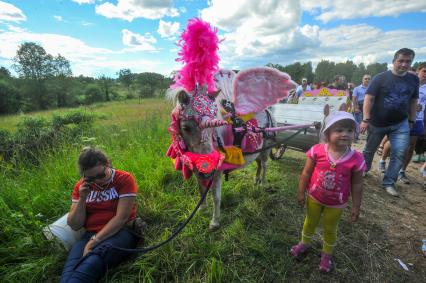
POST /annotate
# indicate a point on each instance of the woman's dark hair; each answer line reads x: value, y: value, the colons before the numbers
x: 90, y: 157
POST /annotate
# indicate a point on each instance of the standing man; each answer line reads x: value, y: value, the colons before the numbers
x: 303, y: 87
x: 390, y: 109
x: 358, y: 97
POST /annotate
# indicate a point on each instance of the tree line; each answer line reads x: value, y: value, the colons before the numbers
x: 45, y: 81
x: 327, y: 70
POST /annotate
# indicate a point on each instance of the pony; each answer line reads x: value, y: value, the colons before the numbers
x: 199, y: 124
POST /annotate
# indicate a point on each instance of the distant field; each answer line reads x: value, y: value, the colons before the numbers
x: 112, y: 112
x: 259, y: 224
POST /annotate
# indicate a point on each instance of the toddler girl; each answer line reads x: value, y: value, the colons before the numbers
x: 332, y: 172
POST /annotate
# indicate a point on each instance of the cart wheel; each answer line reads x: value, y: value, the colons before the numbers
x: 278, y: 152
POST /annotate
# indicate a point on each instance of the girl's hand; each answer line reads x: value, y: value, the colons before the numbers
x: 354, y: 214
x: 84, y: 190
x: 301, y: 198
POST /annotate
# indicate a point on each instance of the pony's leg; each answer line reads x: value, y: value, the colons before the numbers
x: 202, y: 190
x: 264, y: 162
x: 217, y: 195
x: 259, y: 164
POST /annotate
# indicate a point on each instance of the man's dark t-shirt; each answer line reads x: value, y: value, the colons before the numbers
x: 393, y: 96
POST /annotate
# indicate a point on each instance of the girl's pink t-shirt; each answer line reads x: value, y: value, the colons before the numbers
x: 330, y: 183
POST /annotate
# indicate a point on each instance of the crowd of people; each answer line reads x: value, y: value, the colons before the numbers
x: 390, y: 109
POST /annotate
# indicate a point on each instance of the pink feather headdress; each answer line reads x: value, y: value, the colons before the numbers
x: 199, y: 45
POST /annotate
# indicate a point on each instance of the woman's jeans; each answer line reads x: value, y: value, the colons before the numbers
x: 399, y: 138
x: 94, y: 266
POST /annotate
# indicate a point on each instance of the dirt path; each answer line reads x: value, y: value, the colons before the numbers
x: 402, y: 219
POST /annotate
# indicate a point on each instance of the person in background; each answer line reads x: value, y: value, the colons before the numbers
x: 358, y: 97
x: 333, y: 171
x: 339, y: 83
x: 389, y: 109
x: 303, y: 87
x: 418, y: 129
x: 103, y: 202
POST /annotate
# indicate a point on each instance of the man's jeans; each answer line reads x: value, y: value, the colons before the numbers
x: 94, y: 266
x: 399, y: 137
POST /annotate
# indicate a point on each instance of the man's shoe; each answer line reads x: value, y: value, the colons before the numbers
x: 382, y: 166
x: 403, y: 178
x: 391, y: 190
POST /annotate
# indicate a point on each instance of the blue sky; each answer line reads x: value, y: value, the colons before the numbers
x: 103, y: 36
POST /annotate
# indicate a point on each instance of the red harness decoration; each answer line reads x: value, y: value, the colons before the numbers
x: 187, y: 162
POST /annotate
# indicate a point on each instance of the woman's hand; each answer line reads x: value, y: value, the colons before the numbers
x: 84, y: 190
x: 89, y: 246
x: 354, y: 214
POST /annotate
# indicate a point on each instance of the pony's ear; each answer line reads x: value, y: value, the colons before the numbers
x: 183, y: 97
x: 214, y: 94
x: 343, y: 107
x: 326, y: 110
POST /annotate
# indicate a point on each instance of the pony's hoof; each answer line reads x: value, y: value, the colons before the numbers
x: 213, y: 226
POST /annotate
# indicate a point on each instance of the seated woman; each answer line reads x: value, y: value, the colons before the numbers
x: 103, y: 202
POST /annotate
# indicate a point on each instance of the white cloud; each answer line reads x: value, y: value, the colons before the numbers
x: 84, y: 1
x: 168, y: 29
x: 364, y: 44
x: 259, y: 28
x: 137, y: 41
x: 326, y: 10
x: 131, y: 9
x: 10, y: 13
x: 58, y: 18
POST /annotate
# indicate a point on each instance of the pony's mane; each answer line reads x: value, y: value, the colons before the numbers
x: 199, y: 45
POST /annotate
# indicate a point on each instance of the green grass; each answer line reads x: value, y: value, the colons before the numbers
x: 259, y: 225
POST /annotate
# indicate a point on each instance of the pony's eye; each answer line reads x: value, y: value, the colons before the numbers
x: 186, y: 128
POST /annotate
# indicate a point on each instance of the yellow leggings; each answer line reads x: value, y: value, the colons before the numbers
x: 331, y: 217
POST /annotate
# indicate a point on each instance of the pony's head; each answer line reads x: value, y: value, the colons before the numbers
x: 193, y: 120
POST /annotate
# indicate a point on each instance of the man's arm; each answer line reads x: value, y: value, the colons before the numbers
x: 368, y: 105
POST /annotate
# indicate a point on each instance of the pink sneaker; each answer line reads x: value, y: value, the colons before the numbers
x: 299, y: 250
x: 326, y: 263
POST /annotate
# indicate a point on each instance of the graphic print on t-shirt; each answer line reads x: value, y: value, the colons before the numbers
x: 100, y: 196
x: 327, y: 180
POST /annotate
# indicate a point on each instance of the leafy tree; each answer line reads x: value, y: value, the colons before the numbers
x: 93, y: 94
x: 61, y: 67
x: 106, y: 84
x: 359, y: 72
x: 126, y: 77
x: 325, y: 71
x: 4, y: 73
x: 32, y: 61
x: 34, y: 65
x: 9, y: 97
x: 375, y: 68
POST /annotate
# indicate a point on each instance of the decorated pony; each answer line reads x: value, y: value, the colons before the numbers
x: 215, y: 124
